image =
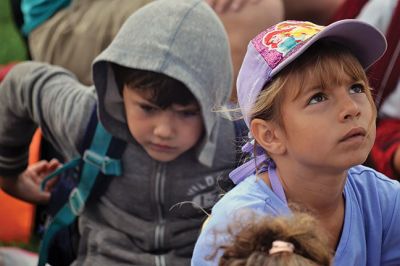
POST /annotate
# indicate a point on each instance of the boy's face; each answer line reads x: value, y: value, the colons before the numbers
x: 331, y: 128
x: 163, y: 133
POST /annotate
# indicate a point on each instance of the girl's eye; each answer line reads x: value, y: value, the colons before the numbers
x: 357, y: 88
x: 317, y: 98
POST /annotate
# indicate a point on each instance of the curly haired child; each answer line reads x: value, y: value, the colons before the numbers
x: 288, y: 241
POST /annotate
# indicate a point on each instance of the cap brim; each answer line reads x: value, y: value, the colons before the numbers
x: 366, y: 42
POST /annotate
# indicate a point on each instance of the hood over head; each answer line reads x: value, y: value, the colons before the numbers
x: 182, y: 39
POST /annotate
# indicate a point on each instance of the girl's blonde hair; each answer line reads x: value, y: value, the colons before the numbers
x: 325, y: 61
x: 251, y: 245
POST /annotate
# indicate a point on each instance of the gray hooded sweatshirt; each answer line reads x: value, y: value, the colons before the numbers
x: 138, y: 220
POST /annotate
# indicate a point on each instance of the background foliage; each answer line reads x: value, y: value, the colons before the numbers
x: 12, y: 46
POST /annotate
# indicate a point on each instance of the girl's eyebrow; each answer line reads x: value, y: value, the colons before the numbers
x: 319, y: 87
x: 303, y: 92
x: 313, y: 87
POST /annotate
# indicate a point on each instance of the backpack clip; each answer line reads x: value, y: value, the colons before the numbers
x: 107, y: 165
x: 76, y: 202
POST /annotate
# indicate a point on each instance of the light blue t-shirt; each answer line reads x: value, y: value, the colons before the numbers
x: 371, y: 230
x: 36, y: 12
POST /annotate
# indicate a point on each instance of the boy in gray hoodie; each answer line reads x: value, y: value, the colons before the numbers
x: 155, y: 88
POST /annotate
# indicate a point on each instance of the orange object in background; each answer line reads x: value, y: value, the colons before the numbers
x: 17, y: 217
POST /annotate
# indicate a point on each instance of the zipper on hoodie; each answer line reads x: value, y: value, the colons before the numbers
x: 159, y: 232
x: 160, y: 261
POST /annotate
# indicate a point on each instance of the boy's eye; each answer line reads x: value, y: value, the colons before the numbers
x: 357, y: 88
x: 316, y: 98
x: 147, y: 108
x: 189, y: 113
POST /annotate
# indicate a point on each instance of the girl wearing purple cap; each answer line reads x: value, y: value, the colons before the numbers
x: 304, y: 95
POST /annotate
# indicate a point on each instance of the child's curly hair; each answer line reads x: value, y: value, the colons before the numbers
x: 253, y: 242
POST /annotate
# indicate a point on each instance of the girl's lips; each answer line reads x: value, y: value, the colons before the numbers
x: 358, y: 132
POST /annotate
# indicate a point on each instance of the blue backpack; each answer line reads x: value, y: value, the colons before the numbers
x: 81, y: 182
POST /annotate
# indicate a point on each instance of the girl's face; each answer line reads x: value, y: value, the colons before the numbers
x: 330, y: 128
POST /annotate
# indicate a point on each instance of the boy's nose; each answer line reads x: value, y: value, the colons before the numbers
x: 164, y: 129
x: 349, y: 108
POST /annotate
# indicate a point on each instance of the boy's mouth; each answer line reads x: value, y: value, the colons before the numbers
x: 161, y: 147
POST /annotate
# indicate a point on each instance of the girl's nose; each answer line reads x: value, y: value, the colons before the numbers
x: 350, y: 109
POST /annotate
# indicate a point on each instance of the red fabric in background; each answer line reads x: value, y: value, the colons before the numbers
x: 349, y: 9
x: 385, y: 73
x: 5, y: 69
x: 386, y: 143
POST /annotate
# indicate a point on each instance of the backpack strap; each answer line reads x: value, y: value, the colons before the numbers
x: 94, y: 161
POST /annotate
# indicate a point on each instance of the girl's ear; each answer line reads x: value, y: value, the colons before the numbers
x: 268, y: 135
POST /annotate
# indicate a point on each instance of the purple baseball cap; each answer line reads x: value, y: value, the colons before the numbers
x: 273, y: 49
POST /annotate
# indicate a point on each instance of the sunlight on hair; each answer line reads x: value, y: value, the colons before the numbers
x: 194, y: 204
x: 230, y: 111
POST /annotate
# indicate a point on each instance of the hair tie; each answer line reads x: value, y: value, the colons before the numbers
x: 281, y: 246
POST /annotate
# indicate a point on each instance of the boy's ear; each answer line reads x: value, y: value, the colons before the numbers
x: 268, y: 135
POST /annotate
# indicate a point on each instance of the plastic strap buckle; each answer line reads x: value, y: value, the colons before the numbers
x: 106, y: 165
x: 76, y: 202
